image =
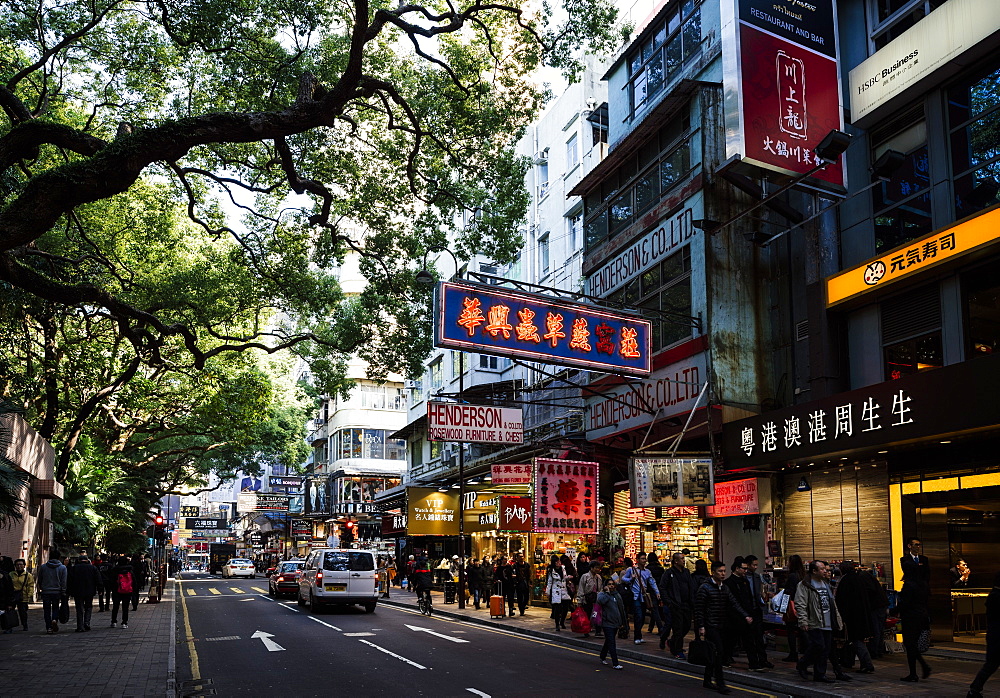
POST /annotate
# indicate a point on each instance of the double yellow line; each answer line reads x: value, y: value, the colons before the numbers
x: 192, y: 652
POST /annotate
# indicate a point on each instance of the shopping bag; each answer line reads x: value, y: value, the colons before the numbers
x: 701, y: 652
x: 596, y: 616
x: 9, y: 619
x: 64, y: 610
x: 579, y: 622
x: 779, y: 603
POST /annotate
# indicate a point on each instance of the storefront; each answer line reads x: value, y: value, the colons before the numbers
x: 663, y: 530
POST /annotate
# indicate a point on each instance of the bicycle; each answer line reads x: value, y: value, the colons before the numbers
x: 424, y: 603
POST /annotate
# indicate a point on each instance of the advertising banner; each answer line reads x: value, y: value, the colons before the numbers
x: 290, y: 481
x: 565, y: 496
x: 431, y: 513
x: 190, y: 512
x: 272, y: 502
x: 449, y: 421
x: 302, y: 528
x: 735, y: 498
x: 490, y: 320
x: 393, y: 524
x: 247, y: 501
x: 206, y: 524
x: 668, y: 482
x: 515, y: 514
x: 783, y: 86
x: 511, y: 474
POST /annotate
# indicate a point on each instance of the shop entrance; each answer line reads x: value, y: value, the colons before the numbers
x: 959, y: 530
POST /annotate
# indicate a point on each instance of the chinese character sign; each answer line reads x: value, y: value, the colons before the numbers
x: 565, y: 496
x: 431, y: 513
x: 515, y: 514
x: 488, y: 320
x: 511, y: 474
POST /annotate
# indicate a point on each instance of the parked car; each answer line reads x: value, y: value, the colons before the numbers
x: 238, y: 567
x: 285, y: 579
x: 331, y: 576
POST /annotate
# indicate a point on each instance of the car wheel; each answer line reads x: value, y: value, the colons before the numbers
x: 251, y: 575
x: 370, y: 606
x: 299, y: 599
x: 313, y: 606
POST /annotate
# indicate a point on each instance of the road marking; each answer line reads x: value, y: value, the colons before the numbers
x: 334, y: 627
x: 190, y: 592
x: 291, y: 609
x: 527, y: 638
x: 262, y: 591
x: 270, y: 644
x: 393, y: 654
x: 224, y: 637
x: 192, y: 652
x: 214, y: 590
x: 236, y: 590
x: 359, y: 634
x: 267, y: 598
x: 431, y: 632
x: 478, y: 693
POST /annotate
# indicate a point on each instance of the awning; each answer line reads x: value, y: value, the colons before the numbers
x: 420, y: 423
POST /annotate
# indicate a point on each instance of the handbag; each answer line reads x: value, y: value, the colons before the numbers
x: 791, y: 617
x: 8, y: 619
x: 590, y: 597
x: 64, y: 610
x: 596, y: 616
x: 924, y: 641
x: 701, y: 653
x: 779, y: 602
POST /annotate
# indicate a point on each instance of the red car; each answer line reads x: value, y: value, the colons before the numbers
x: 285, y: 579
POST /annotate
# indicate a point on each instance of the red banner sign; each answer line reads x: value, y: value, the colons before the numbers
x: 515, y: 514
x: 735, y: 498
x: 511, y: 474
x: 565, y: 496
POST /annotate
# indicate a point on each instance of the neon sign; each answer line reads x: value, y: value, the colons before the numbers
x: 488, y: 320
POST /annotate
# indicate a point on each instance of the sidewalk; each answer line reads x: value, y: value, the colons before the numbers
x: 951, y: 676
x: 134, y: 661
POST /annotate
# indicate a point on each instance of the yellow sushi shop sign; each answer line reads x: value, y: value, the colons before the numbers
x: 916, y: 256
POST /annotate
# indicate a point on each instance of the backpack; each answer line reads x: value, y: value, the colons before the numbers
x: 125, y: 583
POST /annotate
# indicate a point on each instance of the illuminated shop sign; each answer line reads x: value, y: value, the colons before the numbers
x: 431, y: 513
x: 659, y: 482
x: 515, y: 514
x: 487, y: 320
x: 783, y: 83
x: 736, y: 498
x: 290, y: 481
x: 206, y: 524
x: 511, y: 474
x: 565, y: 496
x: 449, y: 421
x: 913, y: 258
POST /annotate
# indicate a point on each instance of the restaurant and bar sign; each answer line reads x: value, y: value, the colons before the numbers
x: 449, y: 421
x: 948, y: 400
x: 489, y: 320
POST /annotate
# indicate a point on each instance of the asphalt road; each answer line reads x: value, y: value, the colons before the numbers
x: 390, y: 652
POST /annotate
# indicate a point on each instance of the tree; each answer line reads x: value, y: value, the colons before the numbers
x: 364, y: 126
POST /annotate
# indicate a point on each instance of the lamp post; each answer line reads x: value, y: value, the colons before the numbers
x: 425, y: 277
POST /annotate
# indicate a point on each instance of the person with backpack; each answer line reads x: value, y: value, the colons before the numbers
x: 124, y: 586
x: 140, y: 574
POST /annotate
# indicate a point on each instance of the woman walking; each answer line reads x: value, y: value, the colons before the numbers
x: 591, y: 584
x: 612, y: 618
x: 796, y: 573
x: 556, y: 581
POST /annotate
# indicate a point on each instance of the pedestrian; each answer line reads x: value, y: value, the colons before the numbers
x: 677, y: 589
x: 105, y: 567
x: 591, y: 584
x: 740, y: 588
x: 756, y: 583
x: 916, y: 561
x: 24, y: 590
x: 140, y: 574
x: 476, y: 578
x: 582, y: 565
x: 817, y: 614
x: 992, y: 641
x: 854, y: 600
x: 8, y: 597
x: 391, y: 571
x: 654, y: 567
x: 689, y: 560
x: 796, y: 573
x: 124, y: 583
x: 52, y: 589
x: 517, y: 579
x: 714, y: 611
x: 612, y: 618
x: 82, y: 583
x: 914, y: 612
x: 880, y: 611
x: 700, y: 574
x: 556, y: 577
x: 645, y: 595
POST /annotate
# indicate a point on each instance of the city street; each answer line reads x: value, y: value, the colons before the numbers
x: 346, y: 651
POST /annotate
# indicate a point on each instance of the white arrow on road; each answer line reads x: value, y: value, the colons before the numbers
x: 270, y: 644
x: 431, y: 632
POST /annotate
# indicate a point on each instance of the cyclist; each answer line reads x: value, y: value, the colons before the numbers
x: 422, y: 581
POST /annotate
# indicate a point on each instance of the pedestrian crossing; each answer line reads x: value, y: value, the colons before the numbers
x: 222, y: 591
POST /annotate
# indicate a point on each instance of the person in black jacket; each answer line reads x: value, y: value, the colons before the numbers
x: 854, y: 599
x: 477, y: 580
x: 677, y: 589
x: 992, y: 662
x: 83, y: 582
x: 914, y: 614
x: 104, y: 566
x: 796, y: 573
x: 740, y: 587
x: 121, y: 594
x: 714, y: 608
x: 141, y: 574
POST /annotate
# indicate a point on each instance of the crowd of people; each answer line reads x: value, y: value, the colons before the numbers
x: 115, y: 581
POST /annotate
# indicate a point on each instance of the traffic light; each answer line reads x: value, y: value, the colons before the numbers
x: 160, y: 529
x: 350, y: 528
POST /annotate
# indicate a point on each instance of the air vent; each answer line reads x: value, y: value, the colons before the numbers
x: 911, y: 314
x: 801, y: 331
x: 901, y: 122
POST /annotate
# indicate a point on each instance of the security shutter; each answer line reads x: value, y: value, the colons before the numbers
x: 911, y: 314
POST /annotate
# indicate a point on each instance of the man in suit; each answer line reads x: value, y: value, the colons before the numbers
x: 740, y: 589
x: 914, y: 563
x: 757, y: 612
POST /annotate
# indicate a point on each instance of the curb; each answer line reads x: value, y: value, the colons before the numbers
x: 172, y: 647
x: 752, y: 680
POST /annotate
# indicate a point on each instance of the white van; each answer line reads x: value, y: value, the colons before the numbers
x: 334, y: 576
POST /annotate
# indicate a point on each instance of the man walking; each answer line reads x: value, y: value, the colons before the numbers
x: 740, y: 588
x: 24, y: 591
x: 677, y: 589
x: 104, y: 566
x: 52, y: 588
x: 83, y: 582
x: 854, y: 601
x: 817, y: 612
x: 517, y: 579
x: 714, y: 606
x: 757, y: 612
x: 640, y: 582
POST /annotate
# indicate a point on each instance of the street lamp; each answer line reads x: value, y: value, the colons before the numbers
x: 424, y: 276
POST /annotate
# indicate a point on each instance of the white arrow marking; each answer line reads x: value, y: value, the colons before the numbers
x: 270, y: 644
x: 431, y: 632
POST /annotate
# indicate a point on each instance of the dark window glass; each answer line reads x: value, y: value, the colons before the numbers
x: 650, y: 280
x: 977, y: 190
x: 982, y: 304
x: 973, y: 97
x: 673, y: 56
x: 621, y: 212
x: 646, y: 192
x: 597, y: 230
x: 976, y: 144
x: 336, y: 562
x: 903, y: 223
x: 362, y: 562
x: 913, y: 176
x: 887, y: 8
x: 692, y: 35
x: 913, y: 356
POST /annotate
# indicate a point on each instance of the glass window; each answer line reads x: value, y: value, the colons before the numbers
x: 395, y: 449
x: 348, y: 562
x: 982, y: 308
x: 543, y: 254
x: 974, y: 120
x: 890, y: 18
x: 658, y: 58
x: 913, y: 356
x: 374, y: 444
x: 436, y: 375
x: 435, y: 449
x: 574, y: 224
x: 572, y: 152
x: 666, y: 287
x: 902, y: 202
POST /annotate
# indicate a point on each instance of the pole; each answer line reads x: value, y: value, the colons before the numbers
x: 461, y: 494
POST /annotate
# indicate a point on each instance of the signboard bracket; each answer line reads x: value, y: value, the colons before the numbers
x: 581, y: 387
x: 680, y: 436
